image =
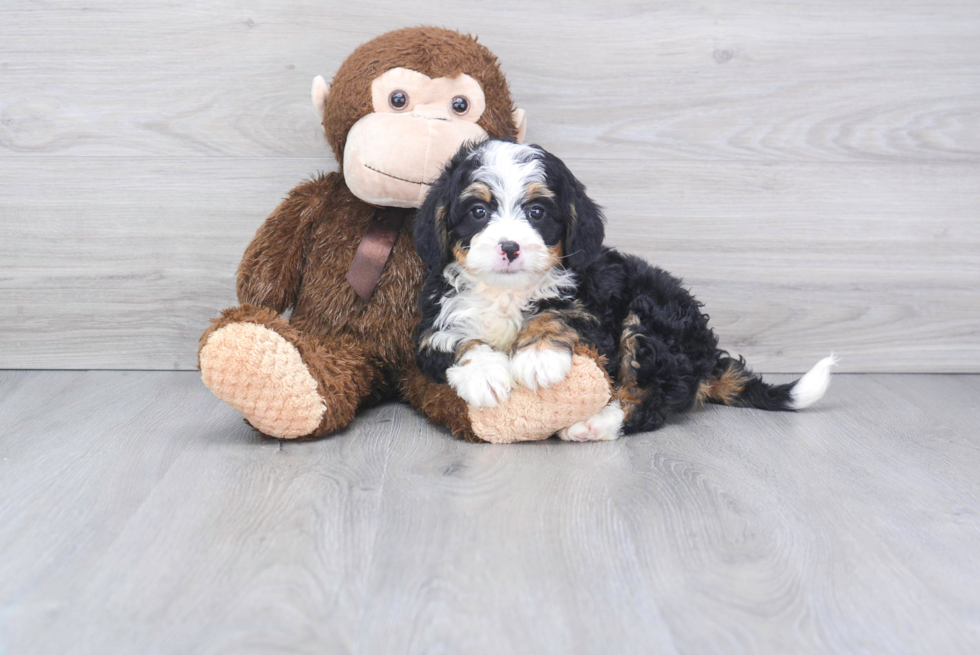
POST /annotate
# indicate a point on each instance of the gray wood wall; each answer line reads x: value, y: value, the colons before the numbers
x: 811, y: 168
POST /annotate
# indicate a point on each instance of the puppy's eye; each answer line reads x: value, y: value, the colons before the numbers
x: 460, y: 105
x: 398, y: 100
x: 479, y: 212
x: 535, y: 212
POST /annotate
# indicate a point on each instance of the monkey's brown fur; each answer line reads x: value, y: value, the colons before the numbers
x: 357, y: 352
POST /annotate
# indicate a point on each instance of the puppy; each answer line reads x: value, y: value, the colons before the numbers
x: 518, y: 280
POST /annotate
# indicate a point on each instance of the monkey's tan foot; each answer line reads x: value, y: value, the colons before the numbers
x: 261, y: 374
x: 533, y: 415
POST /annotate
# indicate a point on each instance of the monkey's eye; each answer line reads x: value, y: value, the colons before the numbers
x: 535, y: 212
x: 398, y: 100
x: 460, y: 105
x: 479, y: 212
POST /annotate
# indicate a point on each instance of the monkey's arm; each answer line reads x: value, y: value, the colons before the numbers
x: 272, y: 267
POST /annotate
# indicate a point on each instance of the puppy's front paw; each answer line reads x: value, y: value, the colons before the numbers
x: 540, y: 367
x: 482, y: 377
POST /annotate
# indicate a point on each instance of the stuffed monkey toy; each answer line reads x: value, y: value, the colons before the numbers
x: 338, y: 251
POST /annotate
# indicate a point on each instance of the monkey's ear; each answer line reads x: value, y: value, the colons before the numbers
x: 520, y: 121
x: 320, y: 92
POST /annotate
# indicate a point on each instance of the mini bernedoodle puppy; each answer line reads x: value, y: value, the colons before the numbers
x: 519, y: 279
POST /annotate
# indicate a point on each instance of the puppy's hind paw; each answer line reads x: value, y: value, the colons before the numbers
x: 540, y: 367
x: 604, y: 426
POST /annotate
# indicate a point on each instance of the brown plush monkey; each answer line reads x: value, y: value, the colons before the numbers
x: 339, y: 252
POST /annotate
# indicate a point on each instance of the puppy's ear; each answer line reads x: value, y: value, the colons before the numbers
x: 585, y: 229
x: 431, y: 231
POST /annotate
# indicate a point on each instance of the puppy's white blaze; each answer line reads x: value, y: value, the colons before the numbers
x: 607, y: 425
x: 544, y: 367
x: 482, y: 377
x: 507, y: 168
x: 811, y: 387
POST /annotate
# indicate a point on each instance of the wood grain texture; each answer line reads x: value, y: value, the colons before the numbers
x: 810, y: 81
x: 141, y: 515
x: 811, y: 169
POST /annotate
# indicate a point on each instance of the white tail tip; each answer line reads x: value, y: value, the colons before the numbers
x: 811, y: 387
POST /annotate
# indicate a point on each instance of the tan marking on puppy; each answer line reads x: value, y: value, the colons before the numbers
x: 576, y: 312
x: 724, y: 389
x: 629, y: 393
x: 629, y: 398
x: 441, y: 226
x: 556, y: 252
x: 628, y: 345
x: 459, y: 254
x: 477, y: 190
x: 546, y: 330
x: 572, y: 219
x: 467, y: 346
x: 536, y: 190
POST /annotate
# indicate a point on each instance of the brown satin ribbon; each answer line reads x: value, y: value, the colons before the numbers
x: 373, y: 251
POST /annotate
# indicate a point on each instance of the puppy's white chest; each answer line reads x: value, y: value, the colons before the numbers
x: 502, y: 318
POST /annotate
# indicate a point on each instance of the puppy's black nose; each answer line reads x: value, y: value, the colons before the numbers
x: 510, y: 248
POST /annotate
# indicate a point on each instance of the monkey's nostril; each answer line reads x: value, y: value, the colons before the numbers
x: 431, y: 112
x: 511, y: 249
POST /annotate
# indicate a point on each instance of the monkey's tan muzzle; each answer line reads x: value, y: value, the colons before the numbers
x: 391, y: 160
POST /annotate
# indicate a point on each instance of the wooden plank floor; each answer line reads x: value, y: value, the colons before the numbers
x: 139, y: 514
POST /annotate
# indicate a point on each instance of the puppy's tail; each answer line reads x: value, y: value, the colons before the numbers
x: 732, y: 383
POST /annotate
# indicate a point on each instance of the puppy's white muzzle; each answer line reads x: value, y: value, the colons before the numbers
x: 508, y: 252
